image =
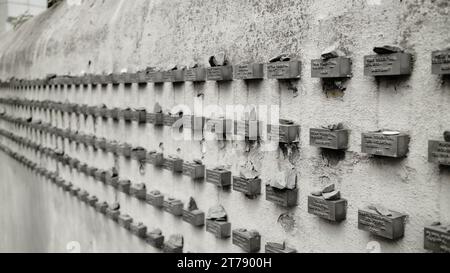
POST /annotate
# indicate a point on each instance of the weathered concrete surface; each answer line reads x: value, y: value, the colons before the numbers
x: 106, y: 36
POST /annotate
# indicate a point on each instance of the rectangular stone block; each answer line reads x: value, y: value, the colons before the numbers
x: 439, y: 152
x: 390, y: 227
x: 246, y: 240
x: 221, y: 230
x: 250, y: 187
x: 138, y: 191
x: 173, y: 164
x: 156, y: 77
x: 271, y: 248
x: 284, y: 198
x: 155, y: 240
x: 195, y: 75
x: 340, y: 67
x: 218, y: 177
x: 248, y: 71
x: 138, y: 229
x: 328, y: 139
x: 168, y: 248
x: 395, y: 64
x: 219, y: 73
x: 168, y: 76
x: 178, y: 75
x: 155, y: 199
x: 194, y: 170
x: 332, y: 210
x: 101, y: 207
x: 195, y: 217
x: 174, y: 207
x: 124, y: 186
x: 437, y: 239
x: 112, y: 214
x: 440, y: 62
x: 284, y: 133
x: 377, y: 143
x: 125, y: 221
x: 284, y: 70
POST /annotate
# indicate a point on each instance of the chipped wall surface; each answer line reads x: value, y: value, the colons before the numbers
x: 108, y: 36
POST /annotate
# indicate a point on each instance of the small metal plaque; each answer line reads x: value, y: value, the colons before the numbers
x: 284, y: 198
x: 332, y: 210
x: 390, y: 227
x: 439, y: 152
x: 440, y: 62
x: 388, y: 64
x: 219, y: 73
x: 195, y: 75
x: 248, y: 71
x: 340, y: 67
x: 249, y: 187
x: 284, y: 70
x: 246, y: 240
x: 195, y: 217
x: 328, y: 139
x: 221, y: 230
x: 220, y: 178
x: 377, y: 143
x: 437, y: 239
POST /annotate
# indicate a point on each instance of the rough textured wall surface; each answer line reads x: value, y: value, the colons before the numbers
x: 107, y: 36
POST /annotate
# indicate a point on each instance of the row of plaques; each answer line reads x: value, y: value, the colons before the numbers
x: 390, y: 226
x: 392, y: 64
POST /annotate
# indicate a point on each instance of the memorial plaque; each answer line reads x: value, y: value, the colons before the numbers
x: 173, y: 164
x: 195, y: 123
x: 195, y: 74
x: 170, y: 120
x: 332, y: 210
x: 221, y: 230
x: 394, y: 64
x: 284, y: 133
x: 173, y: 206
x: 125, y: 221
x: 219, y: 73
x: 340, y: 67
x: 112, y: 214
x: 101, y: 207
x: 168, y: 76
x: 439, y: 152
x: 124, y: 186
x: 194, y: 170
x: 219, y: 177
x: 284, y: 70
x: 155, y: 240
x: 249, y: 241
x: 157, y: 159
x: 390, y: 227
x: 139, y: 191
x: 437, y: 239
x: 250, y: 129
x: 138, y: 229
x: 223, y: 126
x: 278, y: 248
x: 194, y: 217
x: 285, y: 197
x: 440, y: 62
x: 156, y: 77
x: 178, y: 75
x: 249, y: 71
x: 250, y: 187
x: 329, y: 139
x: 156, y: 118
x: 155, y: 198
x: 377, y: 143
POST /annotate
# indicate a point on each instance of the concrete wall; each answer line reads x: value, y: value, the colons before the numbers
x: 107, y: 36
